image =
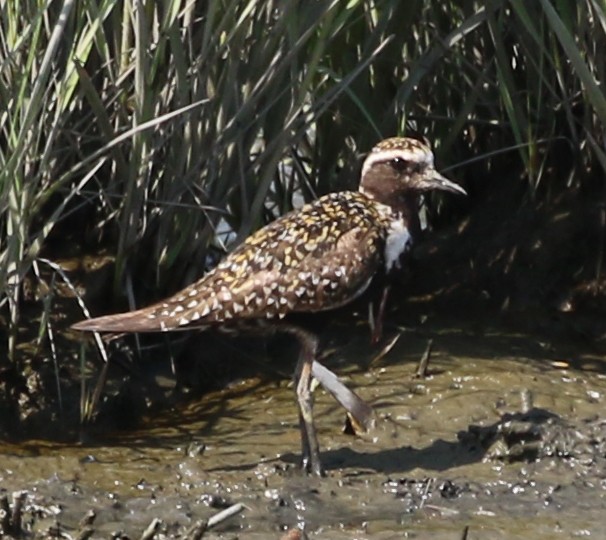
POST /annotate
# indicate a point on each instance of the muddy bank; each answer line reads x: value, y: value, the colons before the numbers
x: 505, y: 437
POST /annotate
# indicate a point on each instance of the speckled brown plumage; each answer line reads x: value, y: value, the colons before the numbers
x: 317, y: 258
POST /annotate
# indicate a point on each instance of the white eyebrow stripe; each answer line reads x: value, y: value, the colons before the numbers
x: 414, y: 154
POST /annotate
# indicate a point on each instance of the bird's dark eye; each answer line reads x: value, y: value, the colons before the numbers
x: 399, y: 164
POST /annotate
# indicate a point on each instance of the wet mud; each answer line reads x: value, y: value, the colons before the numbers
x: 503, y: 437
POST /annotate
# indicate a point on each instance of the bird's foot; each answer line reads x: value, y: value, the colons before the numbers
x: 312, y: 465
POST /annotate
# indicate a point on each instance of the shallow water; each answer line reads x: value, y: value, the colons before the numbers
x: 423, y: 473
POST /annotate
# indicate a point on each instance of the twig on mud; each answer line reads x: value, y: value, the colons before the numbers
x: 200, y: 527
x: 225, y: 514
x: 421, y: 372
x: 465, y: 533
x: 152, y: 529
x: 426, y: 492
x: 379, y: 356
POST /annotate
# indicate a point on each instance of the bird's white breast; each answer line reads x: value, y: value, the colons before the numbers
x: 398, y: 242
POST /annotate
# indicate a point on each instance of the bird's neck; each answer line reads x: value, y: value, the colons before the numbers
x: 403, y: 205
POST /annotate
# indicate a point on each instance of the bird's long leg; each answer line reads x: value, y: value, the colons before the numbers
x: 362, y: 413
x: 303, y: 377
x: 377, y: 330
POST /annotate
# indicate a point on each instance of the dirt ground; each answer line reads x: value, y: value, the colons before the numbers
x: 504, y: 438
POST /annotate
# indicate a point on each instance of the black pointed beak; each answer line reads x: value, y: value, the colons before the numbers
x: 437, y: 181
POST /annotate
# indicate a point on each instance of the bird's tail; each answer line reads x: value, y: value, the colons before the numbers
x: 141, y: 320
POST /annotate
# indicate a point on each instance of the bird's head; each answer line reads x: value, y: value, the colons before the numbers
x: 402, y: 166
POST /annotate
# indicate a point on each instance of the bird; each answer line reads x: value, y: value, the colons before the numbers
x: 319, y: 257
